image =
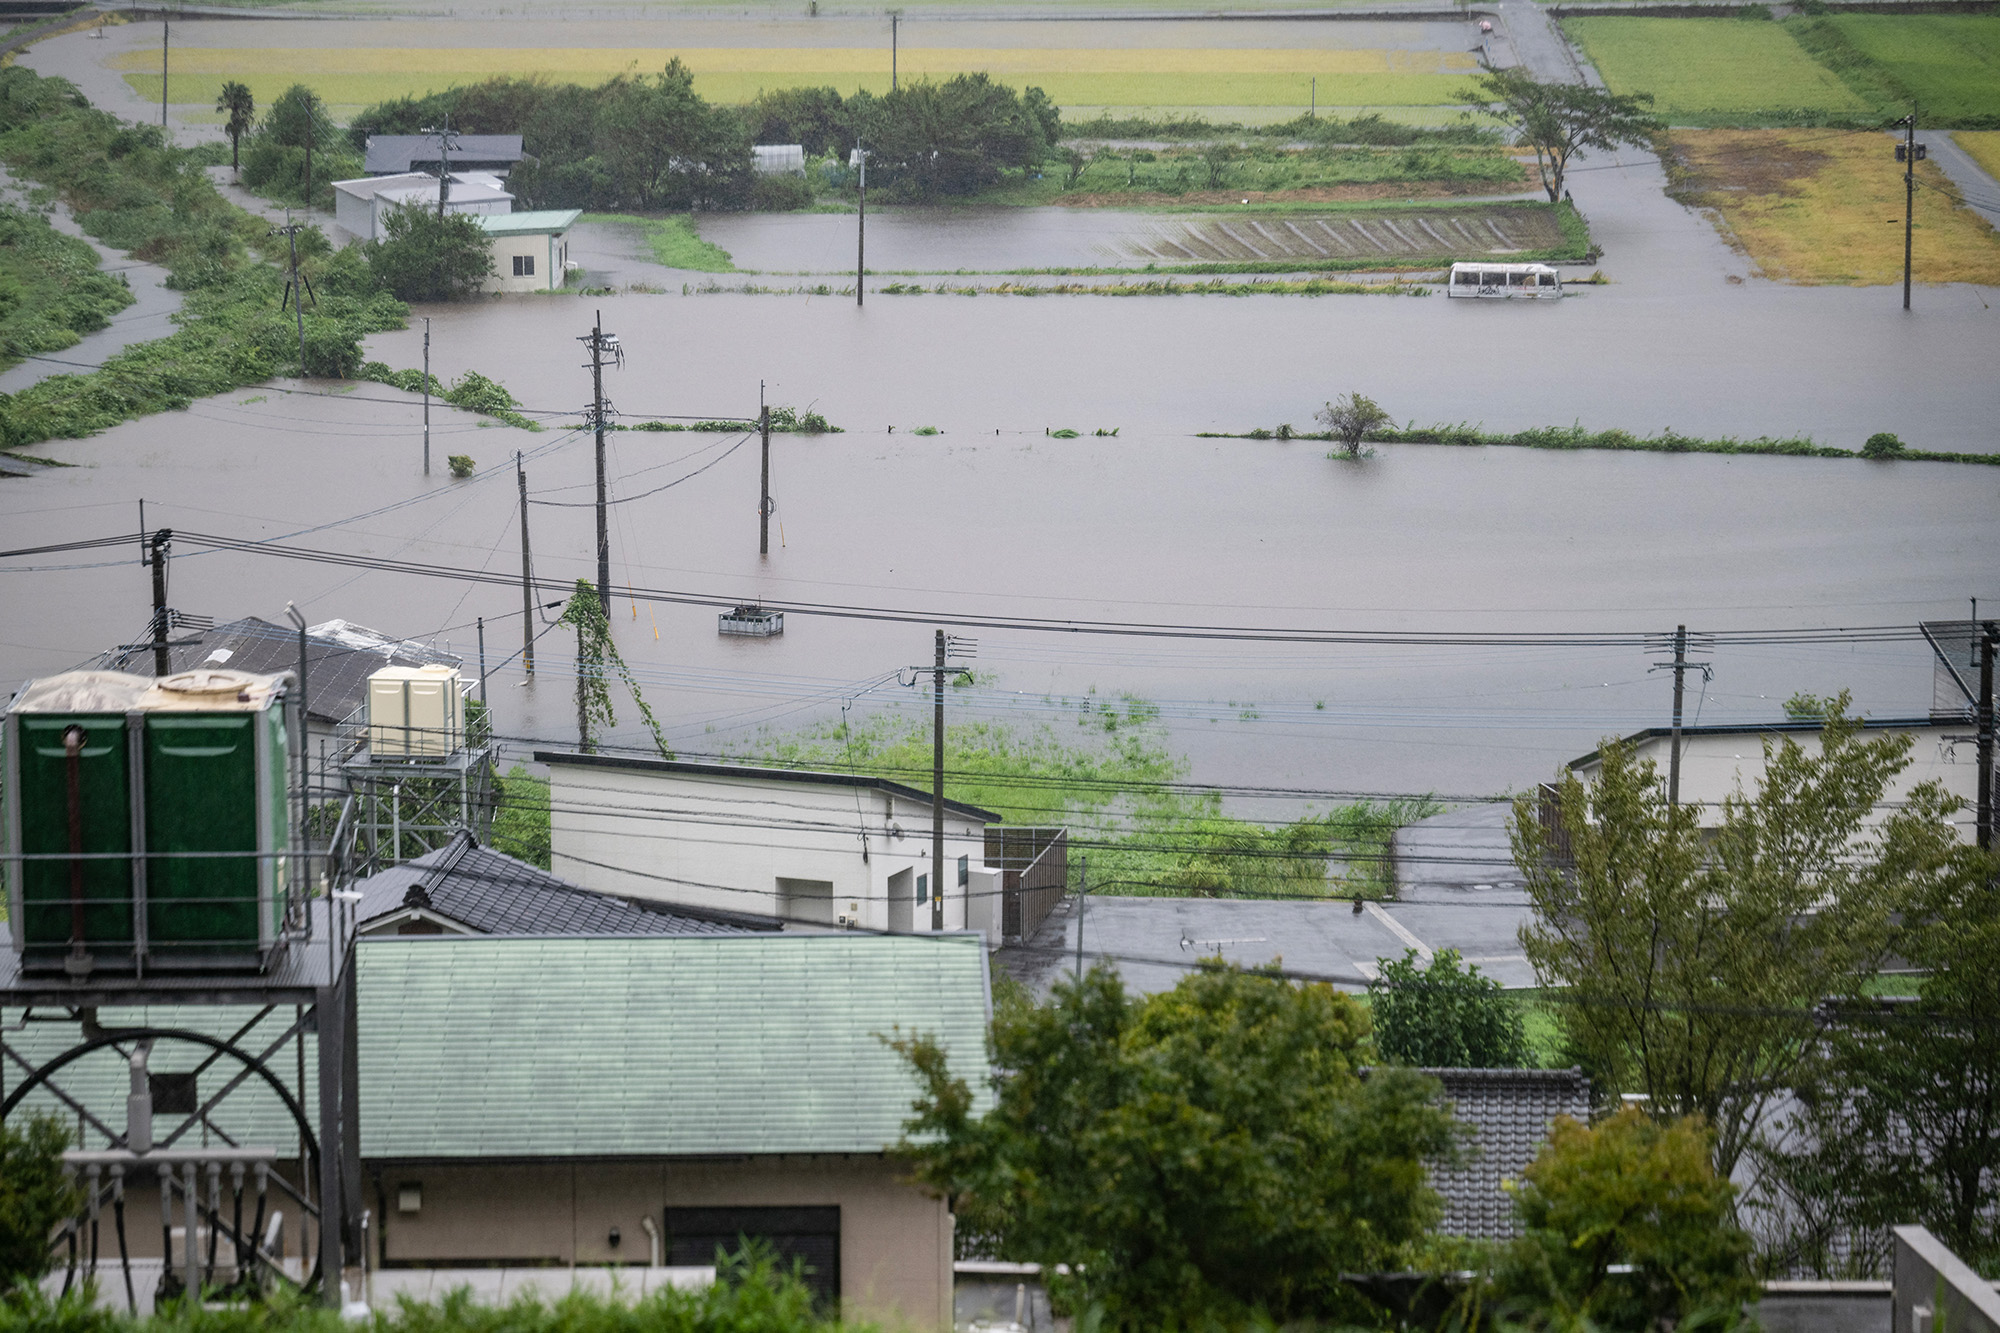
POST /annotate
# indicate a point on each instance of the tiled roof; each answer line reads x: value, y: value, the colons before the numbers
x: 339, y: 658
x: 491, y: 893
x: 1510, y: 1110
x: 517, y: 1047
x: 638, y: 1047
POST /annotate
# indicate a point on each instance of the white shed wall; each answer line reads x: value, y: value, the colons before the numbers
x: 726, y: 843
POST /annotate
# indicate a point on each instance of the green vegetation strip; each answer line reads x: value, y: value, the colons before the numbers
x: 51, y: 289
x: 1576, y: 438
x: 673, y: 241
x: 1166, y: 287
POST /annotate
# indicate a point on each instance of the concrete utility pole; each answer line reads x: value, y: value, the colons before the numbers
x: 895, y: 18
x: 1909, y: 153
x: 600, y: 343
x: 161, y: 540
x: 764, y: 487
x: 296, y: 292
x: 1082, y: 894
x: 427, y: 396
x: 1680, y: 666
x: 165, y: 26
x: 527, y: 576
x: 937, y: 788
x: 861, y: 225
x: 445, y: 135
x: 1989, y: 637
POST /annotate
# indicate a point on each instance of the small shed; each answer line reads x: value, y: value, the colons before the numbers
x: 778, y: 159
x: 361, y: 205
x: 530, y: 250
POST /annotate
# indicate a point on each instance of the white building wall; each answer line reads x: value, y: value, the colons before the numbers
x: 1712, y: 766
x: 548, y: 253
x: 811, y: 853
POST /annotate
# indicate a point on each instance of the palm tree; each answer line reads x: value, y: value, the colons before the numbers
x: 237, y: 104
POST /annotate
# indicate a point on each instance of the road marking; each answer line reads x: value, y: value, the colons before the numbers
x: 1397, y: 929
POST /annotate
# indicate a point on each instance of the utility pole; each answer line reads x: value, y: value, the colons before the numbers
x: 1312, y: 109
x: 1082, y: 894
x: 600, y: 343
x: 444, y: 134
x: 161, y: 540
x: 937, y: 788
x: 427, y: 396
x: 165, y: 26
x: 1680, y: 666
x: 296, y: 292
x: 527, y: 576
x: 861, y: 224
x: 764, y: 488
x: 1989, y: 636
x: 1909, y: 153
x: 481, y: 621
x: 309, y: 156
x: 895, y: 17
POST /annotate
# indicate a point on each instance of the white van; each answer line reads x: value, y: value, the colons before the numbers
x: 1532, y: 281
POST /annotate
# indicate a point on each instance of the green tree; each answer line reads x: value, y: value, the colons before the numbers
x: 521, y: 826
x: 1559, y: 120
x: 1626, y: 1191
x: 1696, y: 961
x: 299, y: 119
x: 35, y: 1195
x: 1901, y: 1119
x: 1882, y: 444
x: 953, y: 137
x: 1349, y: 418
x: 1445, y: 1016
x: 425, y: 257
x: 666, y: 147
x: 239, y: 110
x: 814, y: 118
x: 1196, y: 1156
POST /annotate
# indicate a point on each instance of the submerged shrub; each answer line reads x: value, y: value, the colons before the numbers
x: 1881, y: 445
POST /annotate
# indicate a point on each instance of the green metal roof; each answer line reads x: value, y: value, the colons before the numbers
x: 546, y: 221
x: 521, y: 1047
x: 588, y: 1046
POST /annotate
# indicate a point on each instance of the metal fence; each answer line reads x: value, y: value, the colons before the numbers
x: 1034, y: 875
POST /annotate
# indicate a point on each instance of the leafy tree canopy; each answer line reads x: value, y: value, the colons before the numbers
x: 425, y: 257
x: 1445, y: 1016
x: 1559, y: 120
x: 35, y: 1195
x: 1202, y: 1154
x: 1697, y: 959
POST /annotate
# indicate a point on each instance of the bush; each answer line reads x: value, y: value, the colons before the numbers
x: 1755, y: 13
x: 1446, y: 1016
x: 1881, y: 445
x: 781, y: 194
x: 461, y: 465
x: 1626, y: 1191
x: 430, y: 258
x: 35, y: 1195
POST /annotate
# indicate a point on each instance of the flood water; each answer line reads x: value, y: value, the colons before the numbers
x: 1152, y: 525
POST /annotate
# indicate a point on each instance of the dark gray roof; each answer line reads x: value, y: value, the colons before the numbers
x: 752, y: 773
x: 491, y: 893
x: 1510, y: 1110
x: 338, y: 661
x: 392, y: 154
x: 1791, y: 725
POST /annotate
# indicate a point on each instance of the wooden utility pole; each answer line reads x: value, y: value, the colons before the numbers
x: 764, y: 487
x: 1910, y: 152
x: 296, y: 292
x: 937, y: 787
x: 527, y: 576
x: 161, y: 540
x: 600, y: 343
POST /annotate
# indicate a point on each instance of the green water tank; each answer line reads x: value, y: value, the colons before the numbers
x: 175, y: 791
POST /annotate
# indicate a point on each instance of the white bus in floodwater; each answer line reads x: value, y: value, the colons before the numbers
x: 1504, y: 281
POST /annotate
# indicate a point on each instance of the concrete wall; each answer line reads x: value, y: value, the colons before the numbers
x: 895, y: 1240
x: 1937, y: 1291
x: 1712, y: 764
x: 726, y: 843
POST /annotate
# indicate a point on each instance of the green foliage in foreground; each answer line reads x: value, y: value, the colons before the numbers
x: 753, y: 1294
x: 1199, y: 1157
x: 1117, y: 785
x: 521, y: 826
x: 36, y: 1193
x: 51, y: 290
x: 1446, y: 1015
x: 1627, y: 1190
x: 131, y: 189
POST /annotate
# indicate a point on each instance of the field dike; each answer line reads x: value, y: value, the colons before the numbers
x: 1575, y: 437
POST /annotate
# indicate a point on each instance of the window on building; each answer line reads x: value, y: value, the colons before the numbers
x: 524, y: 266
x: 923, y: 888
x: 810, y: 1235
x: 964, y: 871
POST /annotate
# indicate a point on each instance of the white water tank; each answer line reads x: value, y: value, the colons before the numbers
x: 415, y: 712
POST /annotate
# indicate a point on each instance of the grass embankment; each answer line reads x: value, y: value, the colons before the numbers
x: 1841, y: 69
x: 1820, y: 206
x: 1577, y: 438
x: 1983, y: 147
x: 1226, y: 173
x: 1122, y: 793
x: 674, y: 241
x: 1152, y: 78
x: 52, y: 291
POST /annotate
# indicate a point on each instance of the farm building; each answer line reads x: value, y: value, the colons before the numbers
x: 815, y: 849
x: 362, y: 206
x: 530, y: 250
x: 398, y: 154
